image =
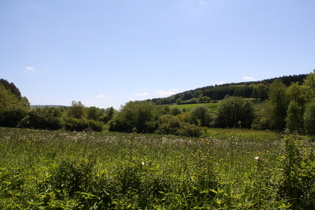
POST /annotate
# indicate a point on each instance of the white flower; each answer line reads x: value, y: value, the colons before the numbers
x: 142, y: 163
x: 256, y: 158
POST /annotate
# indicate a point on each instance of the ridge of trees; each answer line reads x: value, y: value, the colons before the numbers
x: 253, y: 89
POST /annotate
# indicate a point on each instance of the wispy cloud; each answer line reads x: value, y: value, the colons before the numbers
x: 249, y: 78
x: 29, y: 68
x: 142, y: 94
x: 164, y: 93
x: 202, y: 2
x: 100, y: 96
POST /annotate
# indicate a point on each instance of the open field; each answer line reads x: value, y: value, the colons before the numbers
x: 212, y: 106
x: 226, y: 169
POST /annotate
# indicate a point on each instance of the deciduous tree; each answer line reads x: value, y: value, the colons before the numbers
x: 278, y: 105
x: 200, y: 115
x: 235, y: 112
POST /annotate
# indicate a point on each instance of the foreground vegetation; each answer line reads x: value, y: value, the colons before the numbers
x: 225, y: 169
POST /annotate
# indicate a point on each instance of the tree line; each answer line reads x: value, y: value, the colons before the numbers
x: 285, y: 107
x: 258, y: 90
x: 15, y: 111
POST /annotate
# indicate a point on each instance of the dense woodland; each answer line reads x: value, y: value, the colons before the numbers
x: 288, y: 102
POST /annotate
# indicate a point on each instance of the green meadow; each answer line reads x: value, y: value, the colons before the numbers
x: 187, y: 107
x: 212, y: 106
x: 225, y: 169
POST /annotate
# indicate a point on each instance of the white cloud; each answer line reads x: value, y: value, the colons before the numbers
x: 142, y: 94
x: 30, y: 68
x: 100, y: 96
x: 249, y: 78
x: 202, y: 2
x: 166, y: 93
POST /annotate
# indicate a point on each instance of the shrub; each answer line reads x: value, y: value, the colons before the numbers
x: 12, y: 115
x: 73, y: 124
x: 95, y: 125
x: 169, y: 124
x: 189, y: 130
x: 298, y: 166
x: 43, y: 118
x: 309, y: 118
x: 176, y: 111
x: 135, y: 115
x: 69, y: 186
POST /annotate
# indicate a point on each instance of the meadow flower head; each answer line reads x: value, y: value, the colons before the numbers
x: 256, y: 158
x: 142, y: 163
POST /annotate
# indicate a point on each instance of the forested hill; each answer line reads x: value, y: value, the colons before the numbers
x: 255, y: 89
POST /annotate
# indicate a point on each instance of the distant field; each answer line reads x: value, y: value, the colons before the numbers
x: 212, y: 106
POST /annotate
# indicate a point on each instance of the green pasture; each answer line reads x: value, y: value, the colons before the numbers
x: 225, y: 169
x: 212, y: 106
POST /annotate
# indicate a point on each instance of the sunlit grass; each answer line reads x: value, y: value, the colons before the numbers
x: 57, y: 169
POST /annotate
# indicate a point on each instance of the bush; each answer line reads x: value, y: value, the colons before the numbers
x: 169, y: 124
x: 95, y: 125
x: 298, y: 166
x: 176, y: 111
x: 12, y: 115
x: 309, y: 118
x: 141, y: 116
x: 189, y: 130
x: 43, y: 118
x: 73, y: 124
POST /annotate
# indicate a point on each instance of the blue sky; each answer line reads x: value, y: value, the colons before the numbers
x: 107, y: 52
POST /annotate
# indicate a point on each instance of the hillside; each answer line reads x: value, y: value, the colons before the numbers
x: 257, y: 90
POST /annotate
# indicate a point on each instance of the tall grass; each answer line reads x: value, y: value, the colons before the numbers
x: 73, y: 170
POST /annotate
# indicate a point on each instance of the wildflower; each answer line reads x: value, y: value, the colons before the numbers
x: 142, y: 163
x: 256, y: 158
